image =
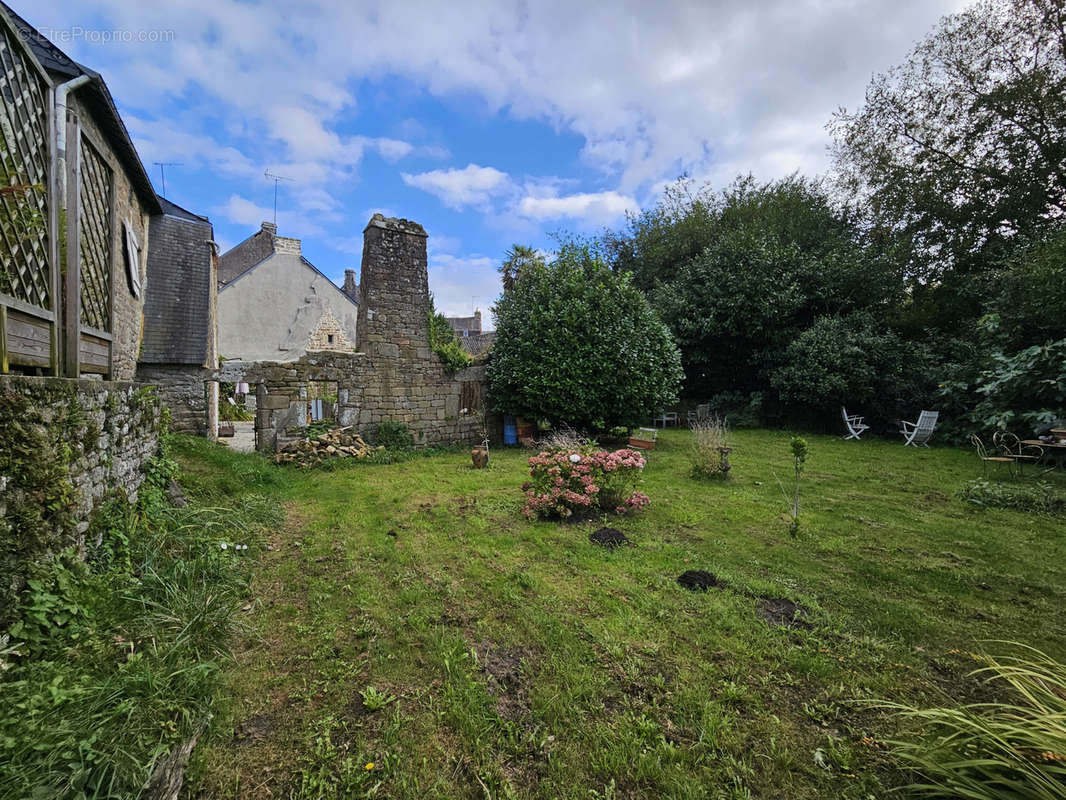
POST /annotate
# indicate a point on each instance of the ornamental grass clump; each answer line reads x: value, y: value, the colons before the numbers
x: 1014, y: 747
x: 710, y: 448
x: 572, y: 481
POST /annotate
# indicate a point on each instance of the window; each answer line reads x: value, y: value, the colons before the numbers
x: 329, y: 338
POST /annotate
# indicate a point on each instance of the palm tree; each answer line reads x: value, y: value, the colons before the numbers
x: 519, y: 258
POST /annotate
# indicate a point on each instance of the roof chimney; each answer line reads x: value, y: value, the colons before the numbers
x: 270, y: 227
x: 283, y: 244
x: 350, y: 288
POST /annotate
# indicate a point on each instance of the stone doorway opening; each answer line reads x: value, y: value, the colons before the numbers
x: 322, y: 402
x: 234, y: 421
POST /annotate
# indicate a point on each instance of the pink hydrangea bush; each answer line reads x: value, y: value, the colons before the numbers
x: 571, y: 481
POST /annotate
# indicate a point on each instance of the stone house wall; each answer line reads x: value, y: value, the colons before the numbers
x: 426, y: 399
x: 126, y: 310
x: 270, y: 312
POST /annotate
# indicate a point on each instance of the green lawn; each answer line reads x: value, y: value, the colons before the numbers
x: 524, y: 661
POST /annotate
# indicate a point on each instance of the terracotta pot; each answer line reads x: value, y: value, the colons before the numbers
x: 480, y: 456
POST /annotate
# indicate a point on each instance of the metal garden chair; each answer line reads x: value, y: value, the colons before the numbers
x: 989, y: 458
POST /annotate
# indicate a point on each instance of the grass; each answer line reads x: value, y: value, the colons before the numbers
x: 524, y: 661
x: 114, y: 660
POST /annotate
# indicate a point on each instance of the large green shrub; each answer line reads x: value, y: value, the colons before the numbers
x: 1023, y: 391
x: 578, y: 343
x: 853, y: 361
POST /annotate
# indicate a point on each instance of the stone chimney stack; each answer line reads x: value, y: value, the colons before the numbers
x: 477, y: 316
x: 394, y: 290
x: 350, y: 288
x: 269, y: 227
x: 283, y: 244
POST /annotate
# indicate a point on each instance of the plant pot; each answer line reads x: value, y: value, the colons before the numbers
x: 724, y: 453
x: 480, y: 456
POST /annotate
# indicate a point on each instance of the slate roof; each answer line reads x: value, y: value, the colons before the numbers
x: 97, y: 98
x: 177, y: 303
x: 175, y: 210
x: 479, y: 343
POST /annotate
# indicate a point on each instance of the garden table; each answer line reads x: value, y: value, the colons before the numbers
x: 1052, y: 450
x: 666, y: 418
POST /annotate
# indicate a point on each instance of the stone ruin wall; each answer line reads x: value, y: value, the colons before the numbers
x: 395, y: 376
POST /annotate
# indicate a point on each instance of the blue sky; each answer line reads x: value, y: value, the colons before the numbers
x: 490, y: 123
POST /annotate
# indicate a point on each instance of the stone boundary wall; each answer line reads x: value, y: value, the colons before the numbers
x: 193, y: 403
x: 396, y: 377
x: 437, y: 407
x: 65, y: 445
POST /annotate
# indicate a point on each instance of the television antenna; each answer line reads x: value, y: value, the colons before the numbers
x: 276, y: 178
x: 162, y: 174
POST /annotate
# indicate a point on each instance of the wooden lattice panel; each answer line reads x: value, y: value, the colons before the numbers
x: 24, y: 263
x: 95, y: 248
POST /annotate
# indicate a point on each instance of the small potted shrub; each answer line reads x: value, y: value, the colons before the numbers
x: 480, y: 455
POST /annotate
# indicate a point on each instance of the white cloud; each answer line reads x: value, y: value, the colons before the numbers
x: 599, y: 208
x: 242, y: 211
x: 462, y: 284
x: 442, y: 244
x: 651, y: 90
x: 392, y: 149
x: 471, y: 186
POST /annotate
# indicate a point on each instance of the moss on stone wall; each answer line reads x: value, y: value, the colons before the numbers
x: 64, y: 445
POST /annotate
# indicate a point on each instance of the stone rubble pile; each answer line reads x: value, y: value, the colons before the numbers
x: 337, y: 443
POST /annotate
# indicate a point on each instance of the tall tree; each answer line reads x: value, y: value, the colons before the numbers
x: 962, y: 147
x: 771, y: 258
x: 519, y: 258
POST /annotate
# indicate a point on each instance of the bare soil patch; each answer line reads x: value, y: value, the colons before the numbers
x: 698, y: 580
x: 782, y: 613
x: 504, y: 679
x: 609, y: 538
x: 253, y: 730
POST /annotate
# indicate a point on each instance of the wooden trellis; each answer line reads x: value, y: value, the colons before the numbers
x: 95, y: 238
x: 28, y: 277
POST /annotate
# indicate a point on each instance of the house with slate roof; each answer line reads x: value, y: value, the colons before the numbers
x: 275, y: 305
x: 179, y: 350
x: 64, y: 144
